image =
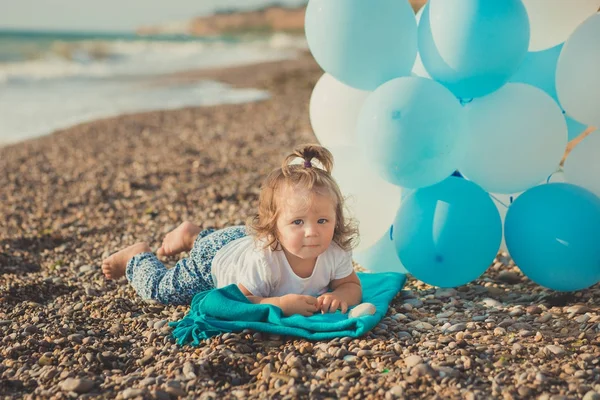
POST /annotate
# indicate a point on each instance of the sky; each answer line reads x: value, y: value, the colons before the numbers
x: 110, y: 15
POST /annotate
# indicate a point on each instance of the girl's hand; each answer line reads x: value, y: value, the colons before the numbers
x: 329, y: 302
x: 292, y: 304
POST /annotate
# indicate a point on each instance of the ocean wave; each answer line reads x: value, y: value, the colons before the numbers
x: 100, y: 59
x: 86, y: 101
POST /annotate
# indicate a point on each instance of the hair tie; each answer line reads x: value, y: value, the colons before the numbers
x: 307, y: 164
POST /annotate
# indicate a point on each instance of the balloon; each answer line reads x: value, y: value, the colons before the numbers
x: 577, y: 78
x: 517, y: 138
x: 582, y: 166
x: 502, y: 202
x: 334, y: 109
x: 412, y: 130
x: 552, y: 21
x: 539, y: 70
x: 381, y: 257
x: 418, y: 68
x: 370, y: 200
x: 473, y: 46
x: 361, y: 45
x: 552, y: 234
x: 447, y: 234
x: 575, y: 128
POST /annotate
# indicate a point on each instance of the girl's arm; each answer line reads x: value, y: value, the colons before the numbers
x: 290, y: 304
x: 347, y: 289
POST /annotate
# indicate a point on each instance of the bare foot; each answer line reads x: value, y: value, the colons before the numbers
x: 180, y: 239
x: 114, y: 266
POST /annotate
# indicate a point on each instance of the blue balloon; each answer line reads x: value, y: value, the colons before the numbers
x: 381, y: 257
x: 552, y: 234
x: 413, y: 131
x: 539, y: 70
x: 473, y: 46
x: 448, y: 234
x: 575, y: 128
x: 360, y: 44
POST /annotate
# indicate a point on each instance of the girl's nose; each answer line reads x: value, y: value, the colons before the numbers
x: 311, y: 230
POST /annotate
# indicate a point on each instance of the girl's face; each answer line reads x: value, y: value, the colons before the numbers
x: 306, y: 222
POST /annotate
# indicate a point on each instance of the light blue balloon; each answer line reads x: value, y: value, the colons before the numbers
x: 448, y: 234
x: 362, y: 44
x: 473, y: 46
x: 381, y: 257
x: 552, y: 233
x: 413, y: 131
x: 577, y: 79
x: 539, y: 70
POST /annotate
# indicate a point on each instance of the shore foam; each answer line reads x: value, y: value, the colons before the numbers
x: 72, y: 81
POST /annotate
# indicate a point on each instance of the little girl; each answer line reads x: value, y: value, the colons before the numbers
x: 290, y: 254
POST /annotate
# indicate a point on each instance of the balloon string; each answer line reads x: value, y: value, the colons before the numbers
x: 501, y: 202
x: 552, y: 174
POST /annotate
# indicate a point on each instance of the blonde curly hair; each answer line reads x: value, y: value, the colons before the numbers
x: 263, y: 225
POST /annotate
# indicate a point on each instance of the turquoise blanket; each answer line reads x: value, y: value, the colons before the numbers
x: 227, y: 310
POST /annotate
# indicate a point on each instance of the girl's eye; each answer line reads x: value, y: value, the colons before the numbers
x: 297, y: 222
x: 322, y: 221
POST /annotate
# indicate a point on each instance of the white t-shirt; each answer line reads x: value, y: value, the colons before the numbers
x: 267, y: 273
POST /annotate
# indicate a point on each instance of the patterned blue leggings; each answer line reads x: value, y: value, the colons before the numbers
x: 178, y: 285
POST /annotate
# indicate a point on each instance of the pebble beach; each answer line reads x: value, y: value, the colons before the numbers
x: 69, y: 199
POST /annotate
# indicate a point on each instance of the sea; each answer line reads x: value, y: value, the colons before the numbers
x: 52, y: 80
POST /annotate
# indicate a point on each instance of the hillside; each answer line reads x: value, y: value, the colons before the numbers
x: 275, y: 18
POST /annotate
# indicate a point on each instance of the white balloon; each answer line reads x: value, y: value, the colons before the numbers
x: 502, y: 202
x: 577, y: 78
x: 552, y: 21
x: 516, y: 139
x: 370, y: 200
x: 582, y: 166
x: 334, y: 109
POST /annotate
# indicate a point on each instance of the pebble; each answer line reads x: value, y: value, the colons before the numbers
x: 159, y: 324
x: 509, y: 277
x: 413, y: 360
x: 397, y: 391
x: 556, y: 350
x: 415, y: 303
x: 491, y: 303
x: 457, y: 328
x: 422, y: 370
x: 131, y: 393
x: 362, y: 310
x: 591, y: 395
x: 77, y: 385
x: 578, y: 309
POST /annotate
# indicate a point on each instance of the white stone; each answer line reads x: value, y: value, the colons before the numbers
x: 362, y: 310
